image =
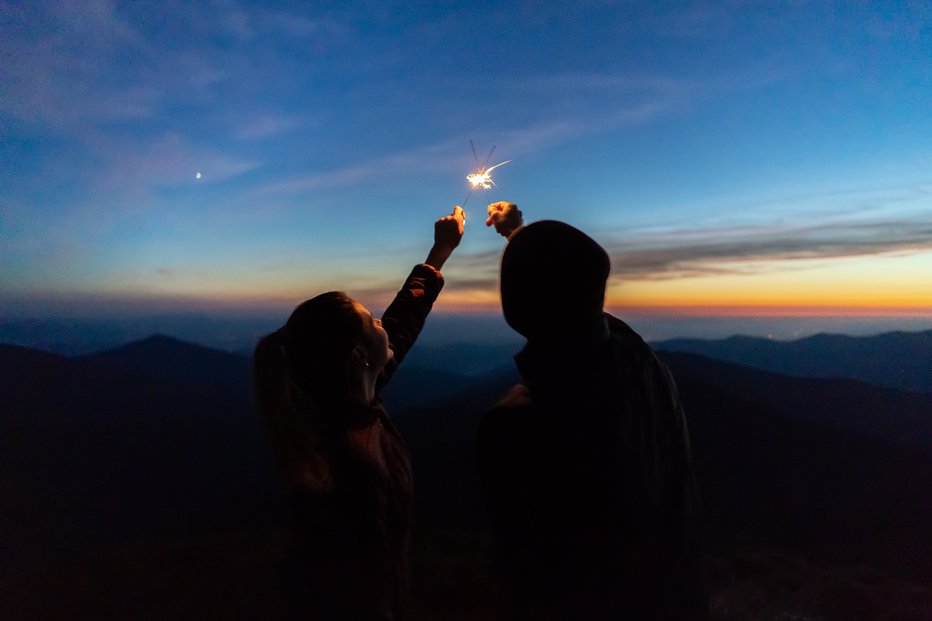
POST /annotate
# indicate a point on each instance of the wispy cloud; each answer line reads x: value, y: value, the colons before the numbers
x: 54, y: 61
x: 446, y: 156
x: 748, y: 250
x: 265, y: 126
x: 427, y: 158
x: 251, y: 22
x: 751, y: 250
x: 603, y: 83
x: 558, y: 109
x: 67, y: 64
x: 123, y: 188
x: 700, y: 20
x: 164, y: 160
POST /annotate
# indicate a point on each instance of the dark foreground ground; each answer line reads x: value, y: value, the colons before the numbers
x: 135, y: 484
x: 238, y: 576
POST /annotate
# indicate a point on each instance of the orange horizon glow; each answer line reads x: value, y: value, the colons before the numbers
x: 637, y: 297
x: 706, y: 310
x: 778, y: 311
x: 475, y: 302
x: 488, y: 301
x: 889, y: 286
x: 721, y: 293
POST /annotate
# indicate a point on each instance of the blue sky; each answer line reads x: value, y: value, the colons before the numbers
x: 726, y: 154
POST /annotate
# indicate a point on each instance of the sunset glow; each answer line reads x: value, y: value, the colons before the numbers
x: 754, y: 159
x: 870, y: 282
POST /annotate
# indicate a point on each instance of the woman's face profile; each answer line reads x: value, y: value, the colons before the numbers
x: 375, y: 338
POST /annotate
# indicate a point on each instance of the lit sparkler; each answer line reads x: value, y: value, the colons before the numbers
x: 482, y: 178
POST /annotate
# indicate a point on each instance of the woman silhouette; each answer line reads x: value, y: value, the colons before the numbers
x: 317, y: 383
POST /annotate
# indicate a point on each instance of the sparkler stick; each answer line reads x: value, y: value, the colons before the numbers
x: 482, y: 177
x: 488, y: 158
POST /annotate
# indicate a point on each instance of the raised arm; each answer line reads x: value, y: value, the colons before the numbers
x: 405, y: 316
x: 448, y: 231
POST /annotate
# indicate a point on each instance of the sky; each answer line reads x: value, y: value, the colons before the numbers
x: 734, y: 158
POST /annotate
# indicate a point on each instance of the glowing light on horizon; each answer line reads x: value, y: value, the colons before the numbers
x: 882, y: 282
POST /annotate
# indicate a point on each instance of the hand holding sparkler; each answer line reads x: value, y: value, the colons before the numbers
x: 448, y: 231
x: 506, y: 217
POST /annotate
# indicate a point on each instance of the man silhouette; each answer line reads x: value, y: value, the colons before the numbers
x: 585, y: 464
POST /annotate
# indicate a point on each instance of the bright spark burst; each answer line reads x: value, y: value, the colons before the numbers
x: 482, y: 178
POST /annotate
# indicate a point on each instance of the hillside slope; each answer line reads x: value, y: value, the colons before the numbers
x: 900, y: 360
x: 94, y: 452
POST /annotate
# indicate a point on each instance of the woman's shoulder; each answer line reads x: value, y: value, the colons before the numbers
x: 313, y: 476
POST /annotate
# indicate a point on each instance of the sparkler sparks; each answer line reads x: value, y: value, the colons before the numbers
x: 482, y: 178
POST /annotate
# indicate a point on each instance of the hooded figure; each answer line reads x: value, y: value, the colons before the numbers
x: 586, y: 463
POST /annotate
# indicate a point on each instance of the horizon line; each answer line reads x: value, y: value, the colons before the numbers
x: 129, y: 308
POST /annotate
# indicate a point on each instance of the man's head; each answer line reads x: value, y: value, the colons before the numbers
x: 553, y: 281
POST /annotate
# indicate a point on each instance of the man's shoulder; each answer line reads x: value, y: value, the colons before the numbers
x: 517, y: 398
x: 653, y: 370
x: 623, y: 333
x: 511, y: 411
x: 630, y: 344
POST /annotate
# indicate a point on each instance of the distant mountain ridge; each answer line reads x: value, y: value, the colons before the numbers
x: 125, y: 445
x: 167, y: 358
x: 900, y: 360
x: 154, y: 439
x: 889, y: 414
x: 784, y: 474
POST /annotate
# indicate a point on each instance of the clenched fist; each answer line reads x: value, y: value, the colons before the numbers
x: 505, y: 217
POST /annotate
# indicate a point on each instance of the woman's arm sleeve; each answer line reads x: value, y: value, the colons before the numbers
x: 405, y: 316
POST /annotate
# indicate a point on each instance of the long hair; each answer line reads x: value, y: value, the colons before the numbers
x: 301, y: 379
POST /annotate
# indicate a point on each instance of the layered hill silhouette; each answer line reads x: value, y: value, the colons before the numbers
x: 149, y: 440
x: 894, y: 359
x: 799, y: 483
x: 165, y: 358
x: 778, y: 464
x: 157, y: 438
x: 890, y: 414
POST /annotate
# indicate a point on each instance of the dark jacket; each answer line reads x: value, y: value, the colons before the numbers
x: 350, y: 554
x: 587, y: 473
